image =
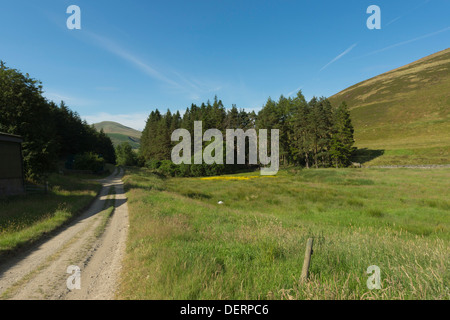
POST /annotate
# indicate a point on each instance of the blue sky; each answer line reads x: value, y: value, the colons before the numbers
x: 131, y: 57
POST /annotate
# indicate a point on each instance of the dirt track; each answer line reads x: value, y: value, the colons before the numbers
x: 41, y: 271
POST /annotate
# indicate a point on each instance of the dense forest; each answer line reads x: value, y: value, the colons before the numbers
x: 312, y: 134
x: 52, y: 133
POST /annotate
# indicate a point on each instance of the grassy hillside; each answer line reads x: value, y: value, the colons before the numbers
x: 118, y: 138
x: 403, y: 116
x: 120, y: 133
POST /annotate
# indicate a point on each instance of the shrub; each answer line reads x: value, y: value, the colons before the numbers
x: 184, y: 170
x: 140, y: 160
x: 153, y: 164
x: 197, y: 170
x: 168, y: 168
x: 214, y: 169
x: 89, y: 161
x: 125, y: 155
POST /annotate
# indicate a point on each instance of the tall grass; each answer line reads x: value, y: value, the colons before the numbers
x: 184, y: 245
x: 25, y: 218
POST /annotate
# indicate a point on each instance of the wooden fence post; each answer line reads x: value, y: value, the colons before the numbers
x: 307, y: 260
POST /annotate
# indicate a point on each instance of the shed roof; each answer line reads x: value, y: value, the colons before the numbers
x: 10, y: 137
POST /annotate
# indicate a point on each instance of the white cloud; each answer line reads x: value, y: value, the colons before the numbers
x: 338, y: 57
x: 407, y: 12
x: 294, y: 91
x: 69, y: 100
x: 256, y: 109
x: 194, y: 97
x: 114, y: 48
x: 393, y: 20
x: 169, y: 77
x: 406, y: 42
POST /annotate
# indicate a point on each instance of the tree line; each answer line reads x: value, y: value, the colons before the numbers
x: 312, y: 134
x: 51, y: 132
x: 156, y: 144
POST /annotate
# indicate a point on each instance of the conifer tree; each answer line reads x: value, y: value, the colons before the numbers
x: 342, y: 137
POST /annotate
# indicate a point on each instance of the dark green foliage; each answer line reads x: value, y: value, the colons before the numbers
x: 311, y: 133
x: 156, y: 144
x: 153, y: 164
x: 198, y: 170
x: 184, y: 170
x: 168, y: 168
x: 341, y: 148
x: 50, y: 133
x: 24, y: 112
x: 125, y: 155
x: 89, y: 161
x: 75, y: 136
x: 104, y: 147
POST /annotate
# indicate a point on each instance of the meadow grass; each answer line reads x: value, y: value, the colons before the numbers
x: 26, y: 218
x: 184, y: 245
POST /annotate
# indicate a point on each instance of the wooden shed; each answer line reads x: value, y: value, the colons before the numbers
x: 11, y: 165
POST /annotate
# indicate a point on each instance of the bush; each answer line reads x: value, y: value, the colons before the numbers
x: 89, y: 161
x: 184, y: 170
x: 125, y: 155
x: 198, y: 170
x: 140, y: 160
x: 214, y: 169
x: 153, y: 164
x: 168, y: 168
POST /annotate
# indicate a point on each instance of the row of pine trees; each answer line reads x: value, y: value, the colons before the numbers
x: 52, y: 133
x: 312, y: 134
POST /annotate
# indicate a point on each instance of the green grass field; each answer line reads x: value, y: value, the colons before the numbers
x: 184, y: 245
x: 26, y: 218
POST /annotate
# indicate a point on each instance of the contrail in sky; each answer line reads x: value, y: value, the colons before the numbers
x: 338, y: 57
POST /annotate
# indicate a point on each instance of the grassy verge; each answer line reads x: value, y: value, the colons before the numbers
x: 184, y: 245
x: 105, y: 215
x: 26, y: 218
x: 412, y: 156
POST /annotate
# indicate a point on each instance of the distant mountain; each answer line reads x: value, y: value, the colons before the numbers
x: 120, y: 133
x: 403, y: 116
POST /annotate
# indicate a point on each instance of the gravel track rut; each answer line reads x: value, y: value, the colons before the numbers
x: 40, y: 272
